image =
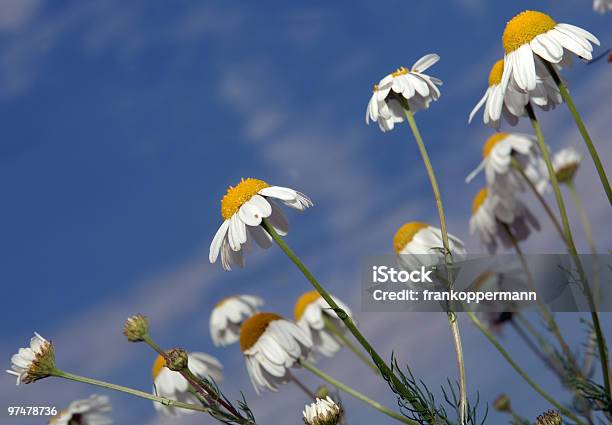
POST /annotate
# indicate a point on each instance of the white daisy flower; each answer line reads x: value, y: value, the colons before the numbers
x: 491, y: 210
x: 34, y: 362
x: 172, y: 385
x: 533, y: 36
x: 418, y: 244
x: 412, y: 85
x: 91, y: 411
x: 243, y: 208
x: 322, y: 412
x: 311, y: 312
x: 602, y: 6
x: 497, y: 154
x: 510, y: 104
x: 271, y: 345
x: 228, y: 315
x: 566, y: 163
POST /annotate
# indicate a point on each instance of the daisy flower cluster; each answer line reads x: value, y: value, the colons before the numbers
x: 536, y: 48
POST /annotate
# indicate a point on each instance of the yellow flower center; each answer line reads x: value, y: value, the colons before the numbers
x: 158, y: 364
x: 491, y: 142
x: 479, y: 199
x: 254, y: 327
x: 375, y: 89
x: 400, y: 71
x: 236, y: 196
x: 495, y: 76
x: 524, y: 27
x: 405, y: 234
x: 304, y: 301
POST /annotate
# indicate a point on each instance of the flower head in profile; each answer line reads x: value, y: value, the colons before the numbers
x: 510, y: 104
x: 243, y: 208
x: 315, y: 317
x: 271, y: 345
x: 412, y: 86
x: 35, y: 362
x: 494, y: 215
x: 228, y: 315
x: 566, y: 163
x: 418, y: 244
x: 91, y: 411
x: 532, y: 37
x: 498, y: 152
x: 602, y: 6
x: 322, y: 412
x: 172, y: 385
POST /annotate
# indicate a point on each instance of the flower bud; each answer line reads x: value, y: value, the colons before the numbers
x: 176, y: 359
x: 322, y: 391
x: 502, y: 403
x: 322, y: 412
x: 136, y: 328
x: 549, y: 417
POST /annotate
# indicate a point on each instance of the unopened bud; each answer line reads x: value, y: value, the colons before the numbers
x: 502, y: 403
x: 136, y: 328
x: 177, y: 359
x: 550, y: 417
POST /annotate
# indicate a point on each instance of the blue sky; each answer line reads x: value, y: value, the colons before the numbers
x: 124, y: 122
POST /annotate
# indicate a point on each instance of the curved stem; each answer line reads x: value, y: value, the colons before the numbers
x: 166, y: 402
x: 452, y: 317
x: 583, y: 131
x: 571, y: 247
x: 520, y: 371
x: 329, y: 325
x: 359, y: 396
x: 396, y: 384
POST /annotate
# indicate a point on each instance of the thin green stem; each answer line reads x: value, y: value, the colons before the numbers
x: 548, y: 317
x: 137, y: 393
x: 329, y: 325
x: 584, y: 218
x: 571, y: 247
x: 518, y: 167
x: 588, y: 235
x: 396, y: 384
x: 452, y: 317
x: 359, y: 396
x: 583, y: 131
x: 520, y: 371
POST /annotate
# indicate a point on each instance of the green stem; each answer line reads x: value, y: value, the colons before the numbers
x: 520, y: 371
x: 588, y: 234
x: 396, y: 384
x: 518, y: 167
x: 452, y: 317
x: 354, y: 393
x: 584, y: 218
x: 548, y: 317
x: 583, y: 131
x: 571, y: 247
x: 137, y: 393
x: 329, y: 325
